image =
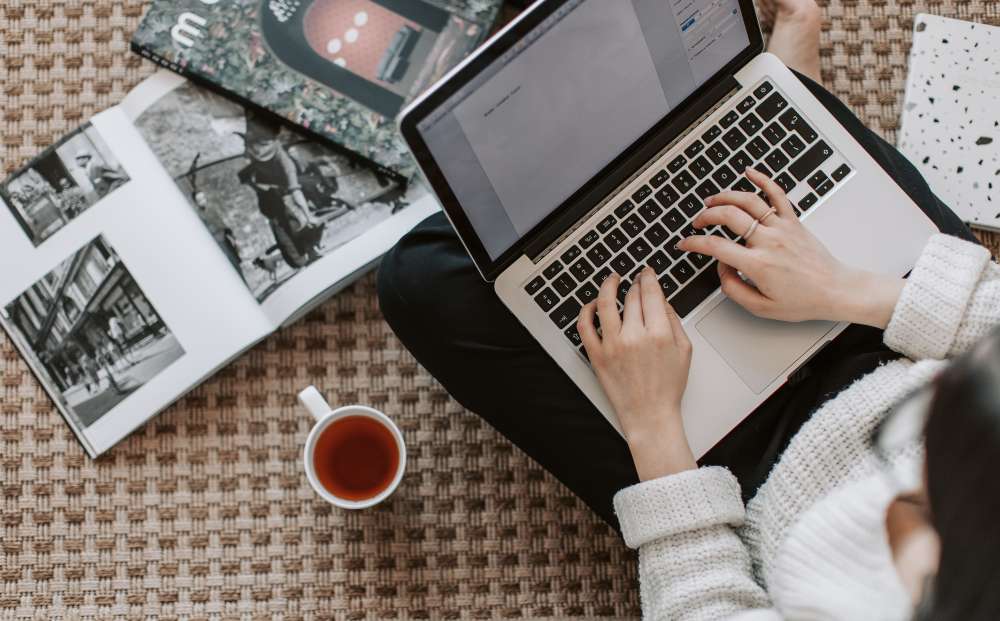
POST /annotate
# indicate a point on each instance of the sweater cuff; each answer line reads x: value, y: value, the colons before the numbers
x: 935, y: 296
x: 681, y: 502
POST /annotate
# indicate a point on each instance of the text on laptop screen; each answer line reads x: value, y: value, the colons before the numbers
x: 566, y: 100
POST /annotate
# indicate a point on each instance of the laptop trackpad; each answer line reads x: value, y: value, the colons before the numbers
x: 759, y: 350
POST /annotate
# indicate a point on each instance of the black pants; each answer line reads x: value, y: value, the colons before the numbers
x: 457, y: 328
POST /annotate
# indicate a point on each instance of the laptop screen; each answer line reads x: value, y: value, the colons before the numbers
x: 541, y: 121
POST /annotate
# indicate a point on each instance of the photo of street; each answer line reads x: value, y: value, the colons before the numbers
x: 93, y: 334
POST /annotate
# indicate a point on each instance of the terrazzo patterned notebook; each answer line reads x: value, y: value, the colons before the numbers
x: 951, y: 114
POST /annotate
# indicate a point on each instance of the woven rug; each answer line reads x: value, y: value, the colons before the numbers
x: 204, y: 512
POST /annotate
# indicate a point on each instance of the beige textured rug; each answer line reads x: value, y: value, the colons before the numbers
x: 204, y: 513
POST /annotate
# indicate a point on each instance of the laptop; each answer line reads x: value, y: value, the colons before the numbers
x: 584, y: 136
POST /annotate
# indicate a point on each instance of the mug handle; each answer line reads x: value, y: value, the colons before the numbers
x: 315, y: 402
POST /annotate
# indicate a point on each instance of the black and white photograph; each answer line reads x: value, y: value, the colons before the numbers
x: 274, y: 201
x: 66, y: 180
x: 94, y: 335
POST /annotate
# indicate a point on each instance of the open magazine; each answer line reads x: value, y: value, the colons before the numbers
x: 171, y: 233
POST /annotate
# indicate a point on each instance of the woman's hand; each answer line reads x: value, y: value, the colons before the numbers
x: 792, y: 276
x: 642, y: 359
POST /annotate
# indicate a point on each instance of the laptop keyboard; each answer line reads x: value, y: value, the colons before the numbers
x: 761, y: 130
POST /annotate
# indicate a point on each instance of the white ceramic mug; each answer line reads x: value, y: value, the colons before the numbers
x: 317, y: 405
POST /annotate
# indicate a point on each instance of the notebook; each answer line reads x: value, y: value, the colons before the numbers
x: 951, y: 114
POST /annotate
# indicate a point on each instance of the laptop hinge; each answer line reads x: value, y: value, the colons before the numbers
x: 608, y: 187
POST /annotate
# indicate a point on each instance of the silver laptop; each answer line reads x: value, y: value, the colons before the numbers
x: 583, y: 138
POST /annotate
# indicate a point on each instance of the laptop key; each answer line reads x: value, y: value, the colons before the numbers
x: 842, y: 171
x: 622, y: 210
x: 566, y: 313
x: 682, y: 271
x: 774, y: 133
x: 763, y: 89
x: 674, y: 220
x: 659, y: 262
x: 826, y: 187
x: 568, y: 256
x: 817, y: 179
x: 760, y: 167
x: 689, y: 230
x: 599, y: 254
x: 683, y: 182
x: 700, y: 260
x: 734, y: 139
x: 724, y: 176
x: 547, y: 299
x: 690, y: 205
x: 793, y: 146
x: 587, y: 293
x: 717, y: 153
x: 744, y: 185
x: 785, y: 182
x: 650, y: 211
x: 771, y: 107
x: 712, y: 133
x: 588, y: 240
x: 667, y: 196
x: 740, y: 161
x: 696, y: 292
x: 581, y: 270
x: 706, y: 189
x: 672, y: 250
x: 758, y: 148
x: 605, y: 225
x: 553, y: 269
x: 573, y: 335
x: 616, y: 240
x: 700, y: 167
x: 751, y: 124
x: 746, y: 104
x: 659, y: 178
x: 641, y: 194
x: 808, y: 201
x: 694, y: 148
x: 656, y: 234
x: 794, y: 123
x: 601, y: 276
x: 564, y: 284
x: 677, y: 163
x: 632, y: 226
x: 623, y: 288
x: 776, y: 159
x: 668, y: 286
x: 640, y: 249
x: 534, y: 285
x: 810, y: 160
x: 729, y: 118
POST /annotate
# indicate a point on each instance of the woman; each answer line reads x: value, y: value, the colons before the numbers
x: 826, y: 533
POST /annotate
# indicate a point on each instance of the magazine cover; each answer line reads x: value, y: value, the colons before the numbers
x: 342, y: 69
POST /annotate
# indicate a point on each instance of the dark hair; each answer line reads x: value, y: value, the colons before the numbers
x: 963, y: 485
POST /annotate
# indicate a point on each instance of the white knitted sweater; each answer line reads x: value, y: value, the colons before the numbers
x: 703, y: 555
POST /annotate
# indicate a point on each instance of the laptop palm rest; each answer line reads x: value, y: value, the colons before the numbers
x: 759, y: 350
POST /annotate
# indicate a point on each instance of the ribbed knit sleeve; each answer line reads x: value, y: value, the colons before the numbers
x: 950, y: 300
x: 692, y: 565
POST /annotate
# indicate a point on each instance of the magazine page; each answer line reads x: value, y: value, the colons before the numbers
x: 111, y: 288
x: 292, y: 216
x: 340, y: 69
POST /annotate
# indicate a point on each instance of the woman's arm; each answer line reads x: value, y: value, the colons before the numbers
x: 682, y: 519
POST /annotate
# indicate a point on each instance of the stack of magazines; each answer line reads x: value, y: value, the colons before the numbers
x: 174, y: 231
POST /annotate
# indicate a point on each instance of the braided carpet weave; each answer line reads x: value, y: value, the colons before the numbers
x: 204, y: 512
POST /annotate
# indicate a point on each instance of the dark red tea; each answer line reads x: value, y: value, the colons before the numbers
x: 356, y: 458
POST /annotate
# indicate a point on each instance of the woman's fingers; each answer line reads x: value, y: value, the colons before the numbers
x: 654, y: 305
x: 747, y: 201
x: 588, y: 331
x: 722, y: 249
x: 740, y: 292
x: 774, y: 193
x: 632, y: 313
x: 733, y: 218
x: 607, y: 307
x: 676, y: 328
